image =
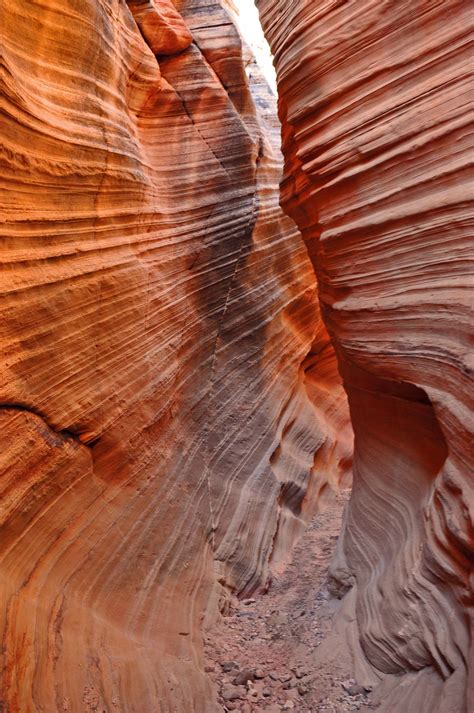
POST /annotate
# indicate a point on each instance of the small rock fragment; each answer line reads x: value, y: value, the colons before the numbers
x: 355, y: 690
x: 302, y: 689
x: 229, y: 666
x: 232, y: 693
x: 244, y: 676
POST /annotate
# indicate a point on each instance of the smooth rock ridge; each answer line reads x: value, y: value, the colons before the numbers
x: 377, y: 141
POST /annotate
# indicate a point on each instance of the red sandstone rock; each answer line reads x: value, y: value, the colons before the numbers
x: 161, y: 400
x: 377, y: 142
x: 163, y: 28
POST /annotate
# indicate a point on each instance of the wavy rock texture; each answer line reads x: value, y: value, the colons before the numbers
x: 169, y: 397
x: 378, y: 149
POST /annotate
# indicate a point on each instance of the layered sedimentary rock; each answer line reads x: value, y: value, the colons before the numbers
x: 378, y: 149
x: 169, y: 397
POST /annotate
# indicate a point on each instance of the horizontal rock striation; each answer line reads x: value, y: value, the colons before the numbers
x: 169, y: 399
x: 378, y: 155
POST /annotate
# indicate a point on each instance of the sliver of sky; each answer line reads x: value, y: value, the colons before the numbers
x: 251, y: 29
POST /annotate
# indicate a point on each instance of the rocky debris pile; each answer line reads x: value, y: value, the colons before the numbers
x: 247, y: 690
x: 260, y: 686
x: 261, y: 658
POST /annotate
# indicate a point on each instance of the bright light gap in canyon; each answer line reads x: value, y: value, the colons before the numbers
x: 248, y: 21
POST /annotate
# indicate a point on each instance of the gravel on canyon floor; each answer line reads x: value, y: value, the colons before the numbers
x: 261, y: 656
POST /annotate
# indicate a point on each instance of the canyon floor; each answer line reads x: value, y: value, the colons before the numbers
x: 263, y: 657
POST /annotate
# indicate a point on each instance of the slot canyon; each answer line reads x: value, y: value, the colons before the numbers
x: 236, y: 461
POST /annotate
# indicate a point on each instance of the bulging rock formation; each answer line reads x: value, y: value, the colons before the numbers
x: 378, y: 148
x: 170, y: 407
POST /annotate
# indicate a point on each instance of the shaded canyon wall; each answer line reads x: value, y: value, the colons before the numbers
x: 378, y: 175
x: 169, y: 398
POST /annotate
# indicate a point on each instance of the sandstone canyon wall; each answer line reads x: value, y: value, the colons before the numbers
x: 169, y: 399
x: 377, y: 140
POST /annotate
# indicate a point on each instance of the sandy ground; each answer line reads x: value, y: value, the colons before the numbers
x: 264, y: 656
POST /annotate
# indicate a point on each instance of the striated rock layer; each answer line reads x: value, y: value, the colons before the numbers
x: 378, y: 149
x: 169, y: 399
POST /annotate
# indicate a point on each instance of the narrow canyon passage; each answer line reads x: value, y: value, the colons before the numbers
x: 225, y: 298
x: 278, y: 651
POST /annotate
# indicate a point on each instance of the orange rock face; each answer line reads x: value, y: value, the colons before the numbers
x: 161, y: 25
x: 377, y: 147
x: 170, y: 403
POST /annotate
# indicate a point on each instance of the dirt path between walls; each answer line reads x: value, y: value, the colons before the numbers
x: 264, y: 657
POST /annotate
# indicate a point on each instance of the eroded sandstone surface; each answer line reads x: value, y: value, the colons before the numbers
x: 171, y: 411
x: 378, y: 155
